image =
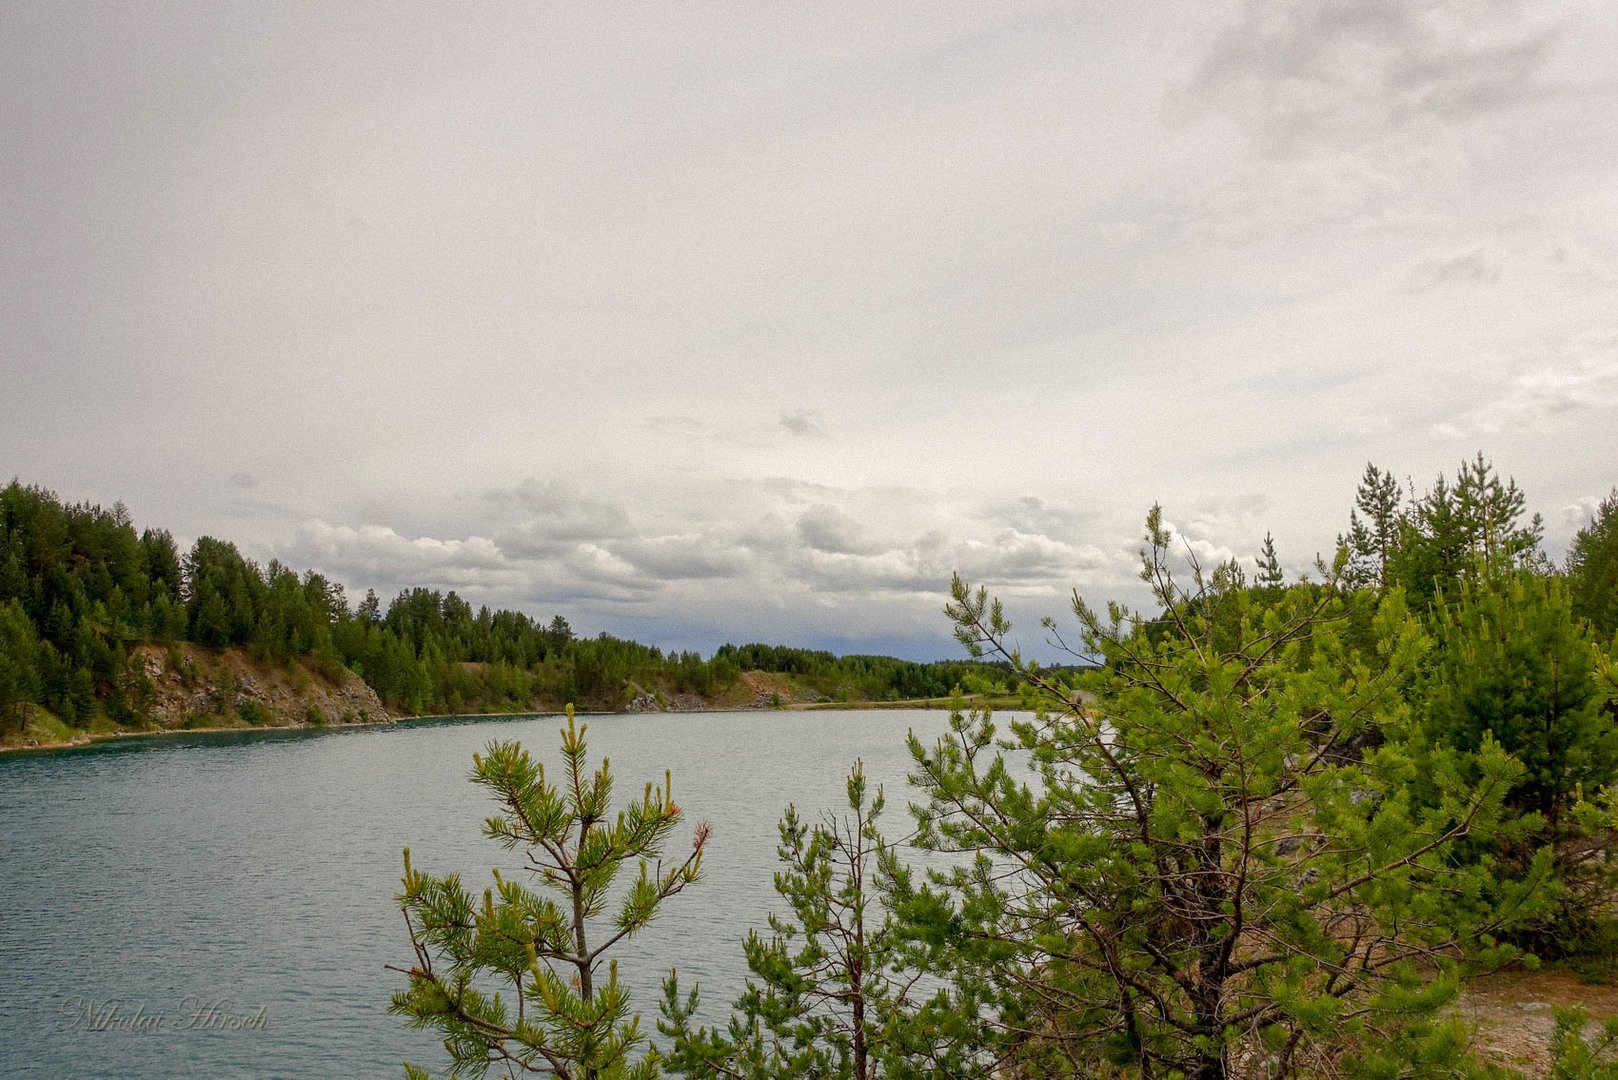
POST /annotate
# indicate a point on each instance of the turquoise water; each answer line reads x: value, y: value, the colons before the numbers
x: 222, y: 905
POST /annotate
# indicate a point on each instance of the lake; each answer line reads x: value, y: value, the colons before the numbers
x: 223, y: 905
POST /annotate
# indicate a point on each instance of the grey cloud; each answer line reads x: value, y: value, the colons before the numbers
x: 1474, y: 267
x: 688, y: 557
x: 1340, y: 71
x: 1528, y: 255
x: 1035, y: 306
x: 244, y: 480
x: 1014, y: 557
x: 804, y: 423
x: 1032, y: 514
x: 551, y: 517
x: 377, y: 556
x: 600, y: 566
x: 688, y: 426
x: 826, y: 528
x: 1577, y: 515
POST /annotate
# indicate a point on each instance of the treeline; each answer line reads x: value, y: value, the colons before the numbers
x: 79, y: 587
x: 866, y: 678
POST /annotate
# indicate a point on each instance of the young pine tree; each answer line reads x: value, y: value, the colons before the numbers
x: 1514, y: 665
x: 834, y: 988
x: 1515, y: 668
x: 563, y: 1011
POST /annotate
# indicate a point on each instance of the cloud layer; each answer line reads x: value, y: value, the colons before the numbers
x: 760, y: 320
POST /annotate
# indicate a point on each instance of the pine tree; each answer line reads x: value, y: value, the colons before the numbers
x: 567, y: 1014
x: 1576, y: 1056
x: 1455, y: 530
x: 1514, y: 668
x: 833, y: 993
x: 1204, y: 878
x: 1373, y: 537
x: 1490, y: 514
x: 1513, y: 665
x: 1592, y: 568
x: 1270, y: 575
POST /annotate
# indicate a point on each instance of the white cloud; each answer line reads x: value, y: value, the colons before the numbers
x: 1549, y: 395
x: 377, y: 553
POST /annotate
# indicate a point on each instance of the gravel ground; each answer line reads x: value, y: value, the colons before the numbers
x: 1512, y: 1011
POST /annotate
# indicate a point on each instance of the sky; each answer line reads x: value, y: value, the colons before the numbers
x: 707, y: 322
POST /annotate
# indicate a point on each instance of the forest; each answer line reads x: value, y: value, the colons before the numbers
x: 80, y: 587
x: 1273, y: 834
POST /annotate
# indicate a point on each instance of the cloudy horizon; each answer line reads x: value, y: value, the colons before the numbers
x: 725, y: 322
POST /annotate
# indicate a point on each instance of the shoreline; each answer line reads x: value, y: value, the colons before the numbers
x: 90, y: 738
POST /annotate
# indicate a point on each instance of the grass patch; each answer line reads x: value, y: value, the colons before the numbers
x: 213, y: 720
x: 47, y: 727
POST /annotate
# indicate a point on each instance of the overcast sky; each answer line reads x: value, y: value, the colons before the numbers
x: 698, y: 322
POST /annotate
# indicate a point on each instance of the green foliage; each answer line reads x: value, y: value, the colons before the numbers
x: 90, y: 587
x: 19, y: 666
x: 1592, y: 569
x: 833, y: 991
x: 1515, y: 669
x: 563, y: 1010
x: 1442, y: 538
x: 431, y: 653
x: 1513, y: 665
x: 1373, y: 538
x: 856, y: 677
x: 1204, y: 869
x: 1578, y: 1056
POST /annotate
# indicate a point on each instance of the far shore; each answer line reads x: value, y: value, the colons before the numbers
x: 90, y: 738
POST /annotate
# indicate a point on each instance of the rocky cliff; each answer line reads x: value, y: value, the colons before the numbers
x: 189, y: 686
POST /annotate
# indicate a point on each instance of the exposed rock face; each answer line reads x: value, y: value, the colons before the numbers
x: 769, y: 691
x: 187, y: 684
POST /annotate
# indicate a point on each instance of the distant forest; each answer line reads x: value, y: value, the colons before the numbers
x: 79, y: 586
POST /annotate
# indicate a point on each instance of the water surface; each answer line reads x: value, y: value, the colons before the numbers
x: 223, y: 905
